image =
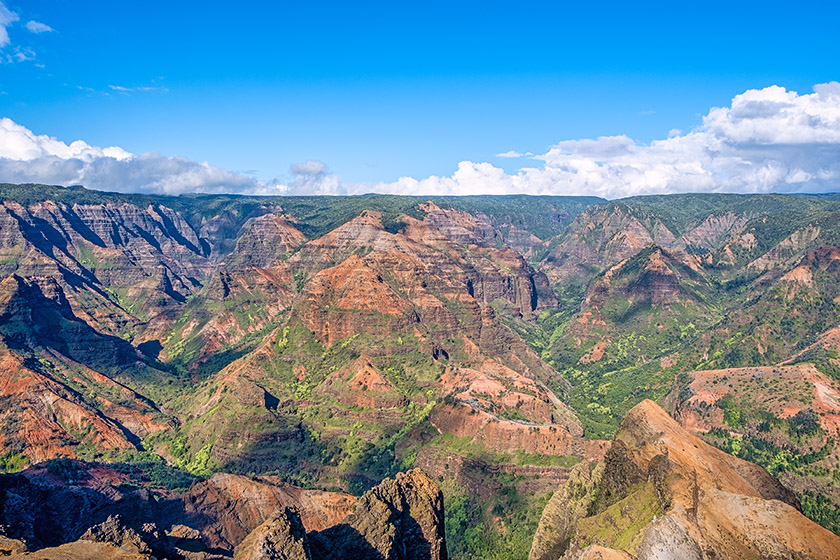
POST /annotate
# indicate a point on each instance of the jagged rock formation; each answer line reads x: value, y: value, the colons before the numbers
x: 280, y: 537
x: 81, y: 510
x: 227, y: 507
x: 666, y: 493
x: 114, y: 531
x: 400, y: 519
x: 333, y: 340
x: 566, y: 507
x: 57, y: 502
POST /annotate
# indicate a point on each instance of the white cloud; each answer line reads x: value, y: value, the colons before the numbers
x: 26, y: 157
x: 18, y: 54
x: 19, y: 143
x: 140, y: 89
x: 313, y: 177
x: 767, y: 140
x: 513, y: 154
x: 7, y: 18
x: 37, y: 27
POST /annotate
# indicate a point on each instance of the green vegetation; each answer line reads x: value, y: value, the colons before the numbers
x: 820, y: 509
x: 498, y: 528
x: 11, y: 462
x: 142, y: 467
x: 620, y: 332
x: 681, y: 212
x: 545, y: 216
x: 620, y: 525
x: 465, y: 446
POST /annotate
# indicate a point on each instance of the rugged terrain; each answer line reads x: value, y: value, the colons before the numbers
x: 662, y: 492
x: 226, y: 346
x: 75, y: 510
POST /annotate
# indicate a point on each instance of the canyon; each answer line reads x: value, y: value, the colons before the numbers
x: 278, y: 371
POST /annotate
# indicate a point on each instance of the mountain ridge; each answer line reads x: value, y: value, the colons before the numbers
x: 495, y: 342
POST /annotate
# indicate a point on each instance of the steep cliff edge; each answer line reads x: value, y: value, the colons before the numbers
x: 664, y: 491
x: 280, y: 537
x: 400, y: 519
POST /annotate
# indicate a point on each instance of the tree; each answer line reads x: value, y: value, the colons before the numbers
x: 805, y: 422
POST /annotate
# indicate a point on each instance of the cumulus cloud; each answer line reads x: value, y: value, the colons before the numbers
x: 313, y: 177
x: 26, y: 157
x: 766, y: 140
x: 7, y: 18
x: 37, y: 27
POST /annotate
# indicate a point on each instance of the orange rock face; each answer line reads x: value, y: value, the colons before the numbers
x: 47, y: 416
x: 510, y: 436
x: 723, y: 503
x: 360, y: 384
x: 236, y: 505
x: 783, y: 390
x: 697, y: 501
x: 348, y: 299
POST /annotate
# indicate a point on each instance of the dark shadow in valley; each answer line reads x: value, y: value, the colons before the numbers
x: 343, y: 541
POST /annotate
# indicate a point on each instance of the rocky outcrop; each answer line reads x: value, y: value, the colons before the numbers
x: 79, y: 510
x: 494, y: 388
x: 263, y: 241
x: 10, y: 547
x: 148, y: 540
x: 226, y: 507
x: 565, y: 508
x: 352, y: 298
x: 280, y: 537
x: 459, y: 226
x: 561, y: 438
x: 400, y: 519
x: 83, y: 550
x: 596, y: 552
x: 665, y: 491
x: 58, y: 502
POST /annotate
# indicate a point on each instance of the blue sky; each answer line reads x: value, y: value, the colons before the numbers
x: 379, y: 91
